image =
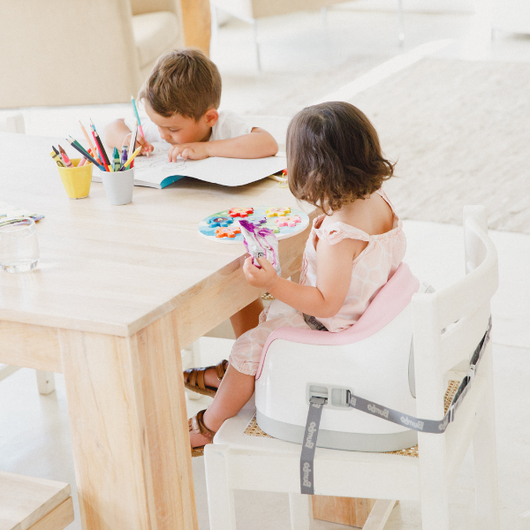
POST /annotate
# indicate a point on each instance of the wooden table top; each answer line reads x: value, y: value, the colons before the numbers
x: 114, y: 269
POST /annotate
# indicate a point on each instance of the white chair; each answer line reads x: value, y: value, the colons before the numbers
x: 251, y: 11
x: 447, y: 326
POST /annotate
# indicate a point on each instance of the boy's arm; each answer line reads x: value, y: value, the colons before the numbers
x: 256, y: 144
x: 117, y: 134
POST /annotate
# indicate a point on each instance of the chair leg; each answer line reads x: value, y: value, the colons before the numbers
x: 220, y: 495
x: 45, y: 382
x: 379, y: 514
x: 300, y: 510
x: 434, y: 495
x: 485, y: 457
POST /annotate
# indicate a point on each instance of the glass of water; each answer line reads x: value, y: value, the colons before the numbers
x: 19, y: 246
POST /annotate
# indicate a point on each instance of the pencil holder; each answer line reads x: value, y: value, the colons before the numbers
x: 77, y: 180
x: 118, y: 186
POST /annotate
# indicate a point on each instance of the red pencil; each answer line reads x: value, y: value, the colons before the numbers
x: 100, y: 149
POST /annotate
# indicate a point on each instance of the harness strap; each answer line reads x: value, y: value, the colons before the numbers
x: 316, y: 405
x: 309, y: 444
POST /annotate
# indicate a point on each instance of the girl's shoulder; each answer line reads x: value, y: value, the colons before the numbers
x: 336, y: 231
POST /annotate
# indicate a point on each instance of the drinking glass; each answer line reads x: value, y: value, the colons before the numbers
x: 19, y: 246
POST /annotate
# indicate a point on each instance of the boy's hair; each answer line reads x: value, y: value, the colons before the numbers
x: 334, y: 156
x: 183, y: 82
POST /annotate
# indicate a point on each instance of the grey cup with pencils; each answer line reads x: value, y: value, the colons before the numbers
x: 118, y: 186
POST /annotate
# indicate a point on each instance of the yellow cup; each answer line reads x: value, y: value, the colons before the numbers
x: 77, y: 180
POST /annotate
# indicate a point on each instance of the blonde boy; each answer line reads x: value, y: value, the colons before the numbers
x: 181, y: 98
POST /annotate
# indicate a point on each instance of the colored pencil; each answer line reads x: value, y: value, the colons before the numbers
x: 102, y: 156
x: 65, y: 157
x: 88, y: 139
x: 77, y: 146
x: 134, y: 135
x: 138, y: 118
x: 57, y: 160
x: 100, y: 146
x: 131, y: 158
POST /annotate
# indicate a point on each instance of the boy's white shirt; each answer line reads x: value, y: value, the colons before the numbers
x: 229, y: 125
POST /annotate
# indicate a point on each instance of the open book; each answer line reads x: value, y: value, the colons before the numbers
x: 157, y: 172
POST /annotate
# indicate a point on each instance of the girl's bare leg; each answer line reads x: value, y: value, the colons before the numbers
x: 245, y: 319
x: 234, y: 391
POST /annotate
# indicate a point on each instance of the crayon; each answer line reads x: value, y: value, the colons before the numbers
x: 82, y: 162
x: 116, y: 156
x: 65, y: 157
x: 131, y: 158
x: 124, y: 154
x: 58, y: 161
x: 77, y: 146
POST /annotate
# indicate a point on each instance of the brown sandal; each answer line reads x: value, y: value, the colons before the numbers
x: 196, y: 425
x: 194, y: 378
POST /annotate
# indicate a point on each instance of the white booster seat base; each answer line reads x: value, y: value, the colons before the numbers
x: 373, y: 359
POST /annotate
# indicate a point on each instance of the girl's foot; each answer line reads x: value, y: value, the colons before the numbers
x: 205, y: 381
x: 200, y: 435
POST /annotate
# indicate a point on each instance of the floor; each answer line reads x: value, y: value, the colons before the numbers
x: 34, y: 432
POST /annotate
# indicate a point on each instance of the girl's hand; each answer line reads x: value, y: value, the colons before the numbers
x: 264, y: 278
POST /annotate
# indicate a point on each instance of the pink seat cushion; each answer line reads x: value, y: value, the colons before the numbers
x: 393, y: 297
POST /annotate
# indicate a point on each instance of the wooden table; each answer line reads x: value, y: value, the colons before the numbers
x: 118, y: 292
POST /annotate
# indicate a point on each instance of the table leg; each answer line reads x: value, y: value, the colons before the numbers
x: 196, y: 23
x: 129, y: 429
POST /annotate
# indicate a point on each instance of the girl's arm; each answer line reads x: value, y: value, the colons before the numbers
x: 334, y: 265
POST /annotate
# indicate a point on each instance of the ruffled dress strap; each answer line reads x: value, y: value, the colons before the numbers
x: 335, y: 232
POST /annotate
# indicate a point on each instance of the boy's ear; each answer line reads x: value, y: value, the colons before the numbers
x: 211, y: 116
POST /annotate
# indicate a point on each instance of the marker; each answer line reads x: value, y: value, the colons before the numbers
x: 131, y: 158
x: 65, y: 157
x: 77, y: 146
x: 116, y: 156
x: 57, y: 160
x: 138, y: 118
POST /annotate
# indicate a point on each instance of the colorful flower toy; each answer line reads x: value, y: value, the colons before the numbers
x: 219, y: 221
x: 240, y: 212
x: 277, y: 212
x: 227, y: 232
x: 290, y: 220
x: 257, y: 221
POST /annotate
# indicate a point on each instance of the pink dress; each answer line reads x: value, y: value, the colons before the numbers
x: 372, y: 268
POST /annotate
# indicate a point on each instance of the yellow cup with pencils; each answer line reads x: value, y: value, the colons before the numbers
x: 77, y: 180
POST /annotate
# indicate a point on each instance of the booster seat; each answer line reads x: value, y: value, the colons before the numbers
x: 372, y: 359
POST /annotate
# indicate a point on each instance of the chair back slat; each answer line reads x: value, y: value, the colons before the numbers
x: 461, y: 338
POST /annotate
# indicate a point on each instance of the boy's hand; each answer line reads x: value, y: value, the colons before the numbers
x: 140, y: 142
x: 191, y: 151
x: 264, y: 278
